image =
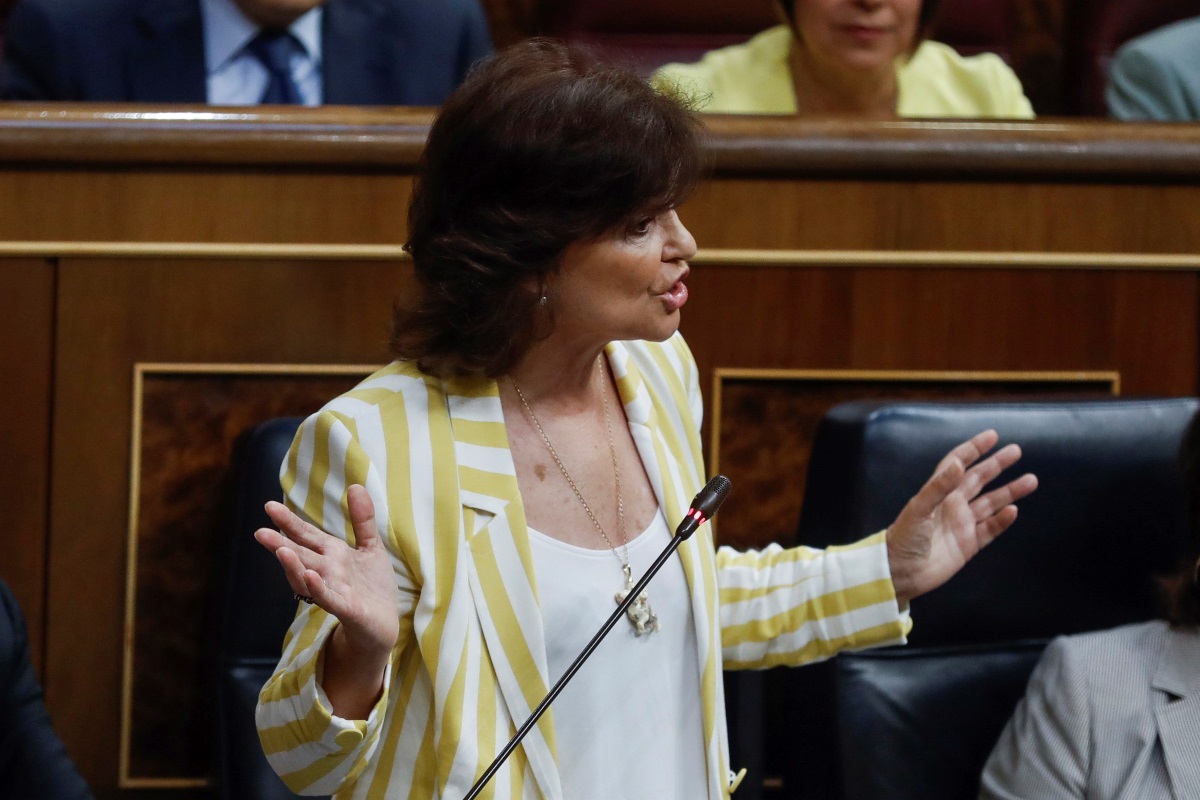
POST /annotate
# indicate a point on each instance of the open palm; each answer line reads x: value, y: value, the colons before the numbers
x: 354, y: 583
x: 951, y: 518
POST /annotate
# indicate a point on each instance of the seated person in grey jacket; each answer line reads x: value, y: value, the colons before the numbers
x: 1157, y: 76
x: 1115, y: 714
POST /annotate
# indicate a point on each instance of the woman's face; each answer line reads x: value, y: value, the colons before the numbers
x: 627, y: 284
x: 864, y: 35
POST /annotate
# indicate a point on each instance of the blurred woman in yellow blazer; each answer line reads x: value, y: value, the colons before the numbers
x: 862, y: 58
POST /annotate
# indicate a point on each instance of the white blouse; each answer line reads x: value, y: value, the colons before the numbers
x: 629, y: 723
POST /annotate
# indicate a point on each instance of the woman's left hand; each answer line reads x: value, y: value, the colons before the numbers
x: 946, y: 523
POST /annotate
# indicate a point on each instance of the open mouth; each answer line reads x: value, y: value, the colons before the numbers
x: 674, y: 297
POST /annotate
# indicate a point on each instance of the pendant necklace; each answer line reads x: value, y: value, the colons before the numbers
x: 640, y: 615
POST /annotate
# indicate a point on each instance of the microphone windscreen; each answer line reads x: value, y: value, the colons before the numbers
x: 712, y: 495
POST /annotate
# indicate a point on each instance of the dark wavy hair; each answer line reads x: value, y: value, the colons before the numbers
x: 1181, y: 591
x: 925, y: 21
x: 541, y: 147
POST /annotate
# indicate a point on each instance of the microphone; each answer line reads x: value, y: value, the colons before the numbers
x: 704, y: 507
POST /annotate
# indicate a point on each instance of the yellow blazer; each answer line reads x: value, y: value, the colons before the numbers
x: 470, y: 663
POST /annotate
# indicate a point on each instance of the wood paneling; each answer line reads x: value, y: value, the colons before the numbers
x: 983, y: 215
x: 950, y: 320
x: 225, y: 205
x: 191, y: 419
x: 27, y: 336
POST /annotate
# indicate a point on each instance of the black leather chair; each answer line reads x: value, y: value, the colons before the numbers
x: 919, y: 721
x: 257, y: 609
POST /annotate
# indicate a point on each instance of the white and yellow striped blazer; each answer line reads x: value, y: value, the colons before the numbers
x: 470, y: 663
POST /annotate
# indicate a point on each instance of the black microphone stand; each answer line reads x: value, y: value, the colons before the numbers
x: 684, y: 532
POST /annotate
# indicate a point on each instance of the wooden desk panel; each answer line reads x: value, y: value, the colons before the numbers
x: 1144, y: 325
x: 1007, y: 216
x: 177, y: 205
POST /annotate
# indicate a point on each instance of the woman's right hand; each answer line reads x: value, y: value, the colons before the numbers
x: 355, y: 584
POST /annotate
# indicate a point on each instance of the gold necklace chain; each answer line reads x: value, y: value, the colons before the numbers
x: 612, y: 450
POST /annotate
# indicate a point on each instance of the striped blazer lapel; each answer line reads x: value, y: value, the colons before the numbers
x: 1179, y: 717
x: 501, y: 569
x: 657, y: 408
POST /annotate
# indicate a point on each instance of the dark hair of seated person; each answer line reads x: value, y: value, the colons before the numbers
x: 1181, y: 591
x: 33, y: 761
x: 925, y: 21
x: 540, y: 148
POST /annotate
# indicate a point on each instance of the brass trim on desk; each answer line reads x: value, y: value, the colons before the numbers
x: 216, y: 250
x: 715, y: 257
x: 947, y: 259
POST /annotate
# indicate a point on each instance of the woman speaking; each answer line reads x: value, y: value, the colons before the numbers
x: 460, y: 523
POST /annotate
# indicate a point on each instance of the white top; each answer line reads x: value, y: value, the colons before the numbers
x: 236, y: 78
x: 629, y: 723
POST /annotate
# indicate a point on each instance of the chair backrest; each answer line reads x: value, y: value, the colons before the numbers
x: 918, y: 724
x: 648, y: 35
x: 978, y: 26
x: 257, y: 609
x: 1107, y: 518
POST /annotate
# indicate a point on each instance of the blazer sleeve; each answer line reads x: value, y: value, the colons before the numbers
x: 1144, y: 85
x: 790, y: 606
x: 33, y: 760
x: 314, y: 751
x: 1044, y: 750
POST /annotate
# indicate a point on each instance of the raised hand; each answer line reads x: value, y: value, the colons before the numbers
x: 948, y: 521
x: 355, y: 584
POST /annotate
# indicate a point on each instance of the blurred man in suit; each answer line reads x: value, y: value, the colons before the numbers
x: 1157, y: 76
x: 242, y: 52
x: 33, y: 761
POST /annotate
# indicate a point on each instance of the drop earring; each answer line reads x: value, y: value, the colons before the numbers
x: 543, y: 301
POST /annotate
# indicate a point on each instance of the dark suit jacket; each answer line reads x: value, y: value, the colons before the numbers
x: 374, y: 52
x: 33, y: 762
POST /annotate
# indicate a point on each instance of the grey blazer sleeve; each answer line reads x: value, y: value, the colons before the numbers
x: 1157, y: 77
x: 1044, y: 751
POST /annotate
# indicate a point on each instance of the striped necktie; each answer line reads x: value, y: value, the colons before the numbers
x: 274, y: 49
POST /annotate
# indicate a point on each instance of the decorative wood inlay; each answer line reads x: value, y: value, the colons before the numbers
x: 187, y: 419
